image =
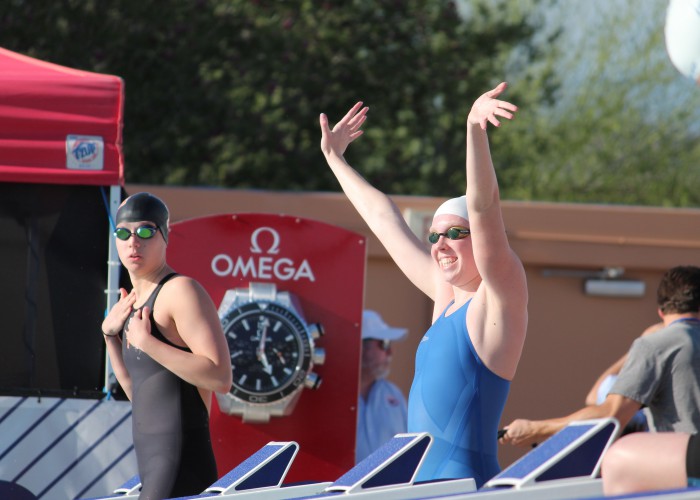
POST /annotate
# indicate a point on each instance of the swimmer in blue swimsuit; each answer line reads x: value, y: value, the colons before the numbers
x: 168, y: 352
x: 466, y: 360
x: 460, y: 404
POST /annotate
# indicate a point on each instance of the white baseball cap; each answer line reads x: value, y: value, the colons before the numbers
x: 373, y: 327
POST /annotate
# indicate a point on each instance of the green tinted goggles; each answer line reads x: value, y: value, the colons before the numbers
x: 143, y: 232
x: 453, y: 233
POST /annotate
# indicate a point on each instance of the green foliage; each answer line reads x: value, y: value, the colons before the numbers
x: 622, y: 128
x: 228, y: 92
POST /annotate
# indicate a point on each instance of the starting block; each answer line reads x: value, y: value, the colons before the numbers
x: 390, y: 471
x: 576, y: 451
x: 260, y: 476
x: 130, y: 488
x: 266, y: 468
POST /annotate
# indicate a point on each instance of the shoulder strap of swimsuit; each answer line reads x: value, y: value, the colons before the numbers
x: 152, y: 298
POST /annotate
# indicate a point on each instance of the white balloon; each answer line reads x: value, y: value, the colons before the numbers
x: 682, y: 32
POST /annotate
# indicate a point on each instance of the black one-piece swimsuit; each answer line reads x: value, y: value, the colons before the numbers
x: 170, y: 424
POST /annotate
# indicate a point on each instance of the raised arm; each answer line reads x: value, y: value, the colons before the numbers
x: 501, y: 329
x: 378, y: 211
x: 496, y: 261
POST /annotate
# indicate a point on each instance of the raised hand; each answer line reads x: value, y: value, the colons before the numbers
x: 486, y: 108
x: 336, y: 140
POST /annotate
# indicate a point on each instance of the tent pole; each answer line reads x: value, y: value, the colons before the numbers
x: 113, y: 268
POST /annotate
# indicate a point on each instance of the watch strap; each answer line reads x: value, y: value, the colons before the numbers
x: 258, y: 413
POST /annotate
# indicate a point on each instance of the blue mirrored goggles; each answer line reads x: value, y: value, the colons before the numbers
x: 143, y: 232
x: 453, y: 233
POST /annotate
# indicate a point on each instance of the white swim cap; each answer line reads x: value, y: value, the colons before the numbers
x: 454, y: 206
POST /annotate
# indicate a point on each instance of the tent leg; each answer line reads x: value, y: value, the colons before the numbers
x: 113, y: 268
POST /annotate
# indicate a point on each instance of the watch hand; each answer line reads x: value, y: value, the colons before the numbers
x: 262, y: 332
x: 263, y: 359
x: 280, y: 356
x: 263, y: 323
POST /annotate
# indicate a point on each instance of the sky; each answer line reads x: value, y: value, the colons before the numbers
x: 620, y: 43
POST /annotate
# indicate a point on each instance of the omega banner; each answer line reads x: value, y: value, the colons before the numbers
x: 321, y: 268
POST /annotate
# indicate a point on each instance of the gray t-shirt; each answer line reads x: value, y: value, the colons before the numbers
x: 662, y: 372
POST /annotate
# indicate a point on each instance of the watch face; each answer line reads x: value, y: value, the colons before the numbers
x: 270, y: 351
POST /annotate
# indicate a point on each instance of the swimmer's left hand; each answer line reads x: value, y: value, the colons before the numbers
x: 139, y: 328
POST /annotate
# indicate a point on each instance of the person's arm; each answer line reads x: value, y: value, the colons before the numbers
x: 502, y: 328
x: 522, y: 432
x: 185, y: 307
x: 614, y: 369
x: 378, y: 211
x: 111, y: 326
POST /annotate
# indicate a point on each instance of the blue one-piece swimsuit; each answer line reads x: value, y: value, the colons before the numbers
x: 458, y: 400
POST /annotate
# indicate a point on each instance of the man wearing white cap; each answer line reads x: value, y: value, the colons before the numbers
x: 466, y: 360
x: 381, y: 409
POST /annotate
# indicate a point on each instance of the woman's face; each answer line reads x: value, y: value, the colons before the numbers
x: 454, y: 258
x: 144, y: 247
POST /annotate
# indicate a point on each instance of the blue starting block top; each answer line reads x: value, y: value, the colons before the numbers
x: 575, y: 451
x: 266, y: 468
x: 395, y: 463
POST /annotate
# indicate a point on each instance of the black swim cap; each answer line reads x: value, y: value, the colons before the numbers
x: 145, y: 207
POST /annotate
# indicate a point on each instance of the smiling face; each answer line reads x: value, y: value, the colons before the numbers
x: 454, y: 257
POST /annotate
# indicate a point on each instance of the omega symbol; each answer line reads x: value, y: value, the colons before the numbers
x: 274, y: 248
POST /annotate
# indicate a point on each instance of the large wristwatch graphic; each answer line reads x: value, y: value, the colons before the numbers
x: 272, y: 351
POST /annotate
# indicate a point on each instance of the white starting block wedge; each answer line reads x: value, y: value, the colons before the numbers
x: 389, y: 472
x: 576, y: 451
x: 130, y: 488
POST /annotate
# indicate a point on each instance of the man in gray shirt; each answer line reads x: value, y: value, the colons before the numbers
x: 662, y: 371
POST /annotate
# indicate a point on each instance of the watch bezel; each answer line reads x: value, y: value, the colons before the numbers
x: 303, y: 367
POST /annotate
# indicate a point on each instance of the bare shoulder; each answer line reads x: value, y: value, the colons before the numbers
x: 182, y: 291
x: 444, y: 295
x: 189, y: 310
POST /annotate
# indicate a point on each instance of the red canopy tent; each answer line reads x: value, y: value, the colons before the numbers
x: 59, y: 125
x: 61, y: 176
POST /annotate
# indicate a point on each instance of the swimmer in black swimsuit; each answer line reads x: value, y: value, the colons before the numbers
x: 169, y: 353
